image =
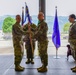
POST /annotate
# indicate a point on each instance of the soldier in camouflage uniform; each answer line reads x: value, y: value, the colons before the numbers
x: 72, y: 38
x: 41, y: 36
x: 17, y: 33
x: 28, y: 47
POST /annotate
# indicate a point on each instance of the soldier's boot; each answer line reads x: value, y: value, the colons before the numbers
x: 32, y: 62
x: 28, y: 61
x: 22, y: 67
x: 39, y: 67
x: 73, y: 68
x: 19, y: 68
x: 43, y: 69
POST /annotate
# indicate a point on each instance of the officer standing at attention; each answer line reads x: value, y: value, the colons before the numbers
x: 41, y: 36
x: 17, y: 33
x: 29, y: 52
x: 72, y: 37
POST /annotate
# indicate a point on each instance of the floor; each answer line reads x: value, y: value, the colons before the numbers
x: 55, y: 66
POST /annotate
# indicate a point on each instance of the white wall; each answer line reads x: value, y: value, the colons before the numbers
x: 13, y: 7
x: 65, y: 7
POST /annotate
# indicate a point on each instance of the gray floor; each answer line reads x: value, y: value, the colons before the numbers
x: 55, y: 66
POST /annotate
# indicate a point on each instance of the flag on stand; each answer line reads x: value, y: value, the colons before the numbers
x: 56, y: 32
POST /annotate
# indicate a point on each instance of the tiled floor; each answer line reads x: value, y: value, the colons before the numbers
x: 55, y: 66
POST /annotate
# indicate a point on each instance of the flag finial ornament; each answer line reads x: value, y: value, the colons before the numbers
x: 25, y: 3
x: 22, y: 8
x: 56, y: 7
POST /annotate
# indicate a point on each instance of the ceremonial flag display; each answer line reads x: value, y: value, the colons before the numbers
x: 56, y: 32
x: 25, y: 15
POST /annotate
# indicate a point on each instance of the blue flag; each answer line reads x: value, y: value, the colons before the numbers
x: 56, y: 32
x: 27, y: 15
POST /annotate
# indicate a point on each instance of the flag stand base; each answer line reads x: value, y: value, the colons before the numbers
x: 57, y: 57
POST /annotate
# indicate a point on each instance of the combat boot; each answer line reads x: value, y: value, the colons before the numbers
x: 22, y: 67
x: 43, y: 69
x: 28, y: 61
x: 39, y: 67
x: 73, y: 68
x: 32, y: 62
x: 19, y: 68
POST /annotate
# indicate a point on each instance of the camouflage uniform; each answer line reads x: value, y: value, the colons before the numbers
x: 27, y: 41
x: 41, y: 36
x: 17, y: 33
x: 72, y: 39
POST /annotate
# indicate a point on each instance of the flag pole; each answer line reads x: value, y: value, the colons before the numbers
x: 56, y: 52
x: 31, y: 39
x: 22, y: 15
x: 56, y: 57
x: 29, y: 28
